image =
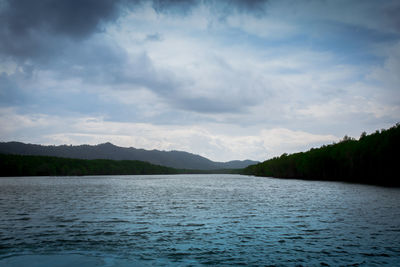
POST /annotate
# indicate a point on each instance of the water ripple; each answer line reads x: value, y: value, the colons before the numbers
x: 226, y: 220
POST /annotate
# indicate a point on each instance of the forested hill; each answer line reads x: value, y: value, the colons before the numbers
x: 19, y: 165
x: 373, y: 159
x: 173, y: 159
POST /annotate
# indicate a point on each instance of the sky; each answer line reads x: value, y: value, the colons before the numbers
x: 228, y: 80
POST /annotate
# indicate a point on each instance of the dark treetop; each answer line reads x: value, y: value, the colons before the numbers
x: 373, y: 159
x: 22, y: 165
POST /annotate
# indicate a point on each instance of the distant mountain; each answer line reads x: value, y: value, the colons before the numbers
x: 174, y: 159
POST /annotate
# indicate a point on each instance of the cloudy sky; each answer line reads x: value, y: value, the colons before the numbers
x: 223, y: 79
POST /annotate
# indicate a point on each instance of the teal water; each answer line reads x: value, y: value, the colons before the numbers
x: 193, y: 220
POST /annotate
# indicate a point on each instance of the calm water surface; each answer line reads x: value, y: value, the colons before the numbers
x: 190, y: 220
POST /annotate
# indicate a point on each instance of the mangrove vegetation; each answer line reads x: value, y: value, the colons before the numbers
x: 372, y: 159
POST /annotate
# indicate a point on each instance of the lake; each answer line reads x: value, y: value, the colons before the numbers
x: 192, y: 220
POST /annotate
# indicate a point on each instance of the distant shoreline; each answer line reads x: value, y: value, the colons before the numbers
x: 25, y: 165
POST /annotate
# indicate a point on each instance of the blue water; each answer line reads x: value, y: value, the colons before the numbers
x: 191, y: 220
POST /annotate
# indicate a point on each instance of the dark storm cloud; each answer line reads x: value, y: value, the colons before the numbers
x: 184, y: 7
x: 75, y: 18
x: 40, y: 29
x: 174, y: 6
x: 31, y: 28
x: 391, y: 15
x: 256, y: 7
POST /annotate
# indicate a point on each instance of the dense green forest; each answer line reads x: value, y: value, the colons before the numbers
x: 21, y: 165
x: 18, y: 165
x: 373, y: 159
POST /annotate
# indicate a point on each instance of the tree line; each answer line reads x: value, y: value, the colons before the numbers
x: 373, y: 159
x: 24, y: 165
x: 20, y: 165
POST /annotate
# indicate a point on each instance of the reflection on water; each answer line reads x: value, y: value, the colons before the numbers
x: 190, y: 220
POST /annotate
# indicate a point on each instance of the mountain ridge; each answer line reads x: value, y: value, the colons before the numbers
x: 174, y: 158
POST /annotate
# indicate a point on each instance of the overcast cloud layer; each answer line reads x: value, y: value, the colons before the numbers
x: 223, y: 79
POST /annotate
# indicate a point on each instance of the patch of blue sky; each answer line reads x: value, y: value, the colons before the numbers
x: 66, y: 103
x: 10, y: 93
x: 349, y: 43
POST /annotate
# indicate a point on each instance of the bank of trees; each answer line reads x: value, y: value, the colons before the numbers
x: 23, y: 165
x: 373, y: 159
x: 19, y: 165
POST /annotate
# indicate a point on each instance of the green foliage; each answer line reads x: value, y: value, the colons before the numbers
x: 18, y: 165
x: 372, y: 159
